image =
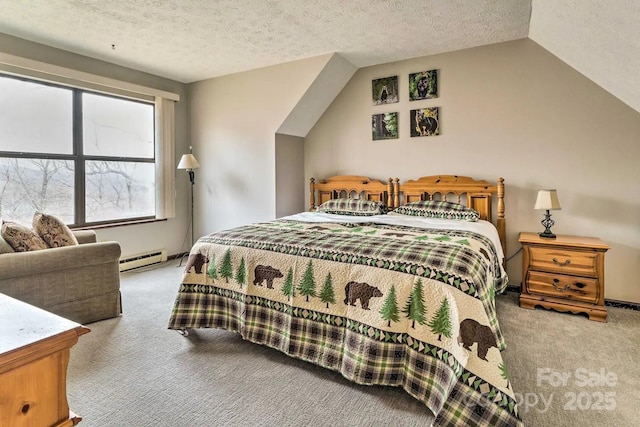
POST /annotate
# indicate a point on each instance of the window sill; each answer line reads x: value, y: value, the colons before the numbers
x: 118, y: 224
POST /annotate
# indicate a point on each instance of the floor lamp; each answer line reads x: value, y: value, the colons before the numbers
x: 189, y: 162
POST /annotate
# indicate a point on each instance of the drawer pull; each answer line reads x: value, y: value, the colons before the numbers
x: 558, y: 288
x: 561, y: 264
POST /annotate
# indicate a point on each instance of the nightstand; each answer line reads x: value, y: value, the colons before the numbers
x: 564, y: 274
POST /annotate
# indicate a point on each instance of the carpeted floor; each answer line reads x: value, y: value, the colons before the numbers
x: 132, y: 371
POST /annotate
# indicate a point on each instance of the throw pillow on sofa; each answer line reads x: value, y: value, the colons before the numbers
x: 21, y: 238
x: 53, y: 231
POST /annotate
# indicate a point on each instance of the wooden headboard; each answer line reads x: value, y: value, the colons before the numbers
x: 348, y: 186
x: 476, y: 194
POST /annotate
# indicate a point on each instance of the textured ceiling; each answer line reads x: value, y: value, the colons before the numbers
x: 190, y: 40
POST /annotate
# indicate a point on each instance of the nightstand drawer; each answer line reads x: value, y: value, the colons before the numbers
x: 580, y: 263
x: 561, y: 286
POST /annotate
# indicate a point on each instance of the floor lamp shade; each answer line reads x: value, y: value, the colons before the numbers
x: 188, y: 162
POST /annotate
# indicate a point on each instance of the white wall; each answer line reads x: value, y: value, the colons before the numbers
x: 234, y: 120
x: 509, y: 110
x: 133, y: 239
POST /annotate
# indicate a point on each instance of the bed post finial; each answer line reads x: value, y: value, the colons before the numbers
x: 396, y: 193
x: 389, y: 200
x: 501, y: 219
x: 312, y: 192
x: 500, y: 197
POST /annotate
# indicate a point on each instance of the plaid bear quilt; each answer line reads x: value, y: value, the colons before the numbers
x: 380, y: 302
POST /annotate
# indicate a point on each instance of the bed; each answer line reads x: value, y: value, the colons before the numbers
x: 404, y: 299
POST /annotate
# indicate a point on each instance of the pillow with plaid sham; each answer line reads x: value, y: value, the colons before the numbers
x: 355, y: 207
x: 438, y: 209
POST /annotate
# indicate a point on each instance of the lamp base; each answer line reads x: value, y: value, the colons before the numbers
x: 547, y: 222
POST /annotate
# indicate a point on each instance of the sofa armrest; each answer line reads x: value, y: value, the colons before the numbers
x: 85, y: 236
x: 56, y: 259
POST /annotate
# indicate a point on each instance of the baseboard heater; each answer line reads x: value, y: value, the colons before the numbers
x: 143, y: 260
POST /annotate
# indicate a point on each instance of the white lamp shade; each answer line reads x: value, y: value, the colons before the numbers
x: 188, y: 161
x: 547, y: 200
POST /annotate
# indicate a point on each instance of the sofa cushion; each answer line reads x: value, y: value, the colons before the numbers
x: 21, y: 238
x: 53, y: 231
x: 5, y: 248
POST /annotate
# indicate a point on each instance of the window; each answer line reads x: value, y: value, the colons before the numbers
x: 85, y: 157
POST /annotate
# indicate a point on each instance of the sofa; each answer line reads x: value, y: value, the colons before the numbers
x: 80, y: 283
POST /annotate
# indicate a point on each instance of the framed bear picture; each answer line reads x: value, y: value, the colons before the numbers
x: 385, y: 90
x: 423, y: 85
x: 425, y: 121
x: 384, y: 126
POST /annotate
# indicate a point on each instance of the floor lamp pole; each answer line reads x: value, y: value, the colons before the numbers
x: 192, y: 178
x: 193, y: 181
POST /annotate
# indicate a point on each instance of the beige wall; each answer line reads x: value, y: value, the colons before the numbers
x: 289, y: 174
x: 511, y: 110
x: 133, y: 239
x: 234, y: 120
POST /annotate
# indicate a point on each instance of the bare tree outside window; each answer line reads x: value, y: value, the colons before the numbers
x: 30, y: 185
x: 119, y: 190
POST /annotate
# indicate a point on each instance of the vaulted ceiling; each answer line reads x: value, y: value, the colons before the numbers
x: 199, y: 39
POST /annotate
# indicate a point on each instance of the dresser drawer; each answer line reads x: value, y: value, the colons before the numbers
x: 562, y: 286
x: 580, y: 263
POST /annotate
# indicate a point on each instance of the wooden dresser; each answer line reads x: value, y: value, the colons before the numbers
x: 34, y: 354
x: 565, y: 274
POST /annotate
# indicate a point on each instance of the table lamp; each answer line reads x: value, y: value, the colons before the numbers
x: 547, y: 200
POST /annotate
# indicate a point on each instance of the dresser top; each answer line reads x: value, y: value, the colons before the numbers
x: 564, y: 240
x: 22, y: 324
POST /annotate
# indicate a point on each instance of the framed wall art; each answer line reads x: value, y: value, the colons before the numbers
x: 385, y: 90
x: 384, y: 126
x: 423, y: 85
x: 425, y: 121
